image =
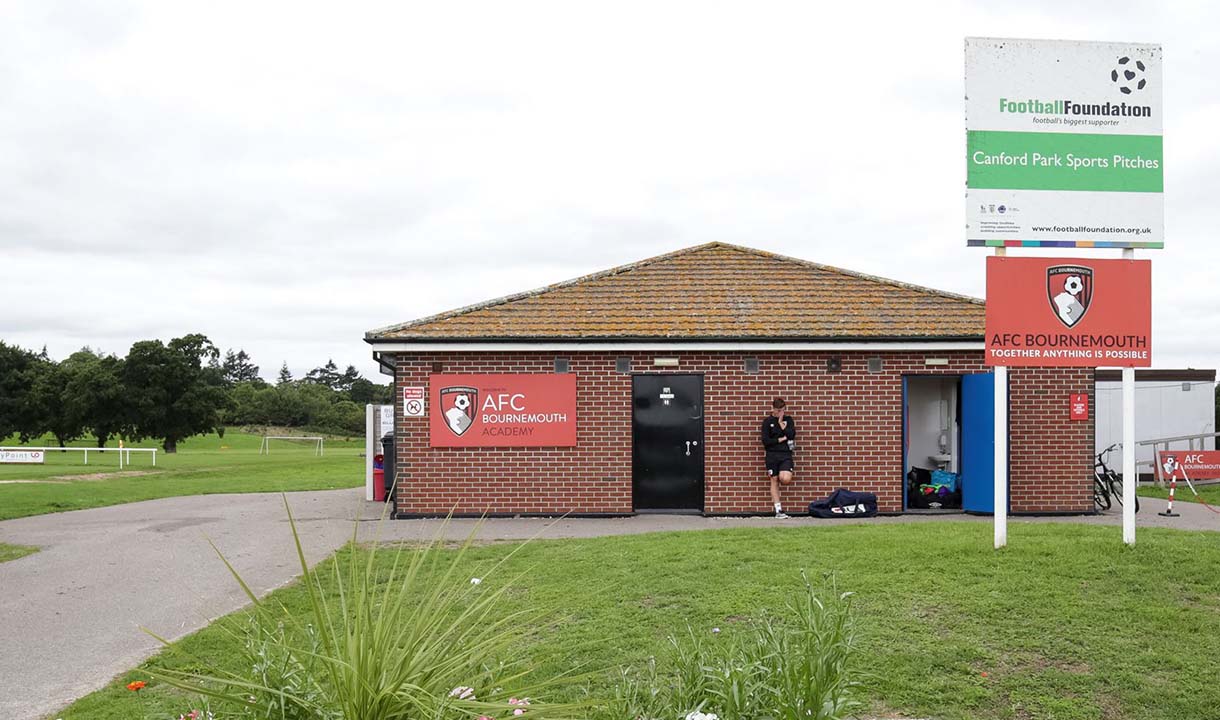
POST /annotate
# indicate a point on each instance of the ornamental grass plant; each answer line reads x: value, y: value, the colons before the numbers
x: 794, y: 666
x: 421, y: 641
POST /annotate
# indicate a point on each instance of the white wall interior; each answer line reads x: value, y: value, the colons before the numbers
x: 932, y: 423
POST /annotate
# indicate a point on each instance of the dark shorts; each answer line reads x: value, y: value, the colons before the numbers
x: 778, y: 463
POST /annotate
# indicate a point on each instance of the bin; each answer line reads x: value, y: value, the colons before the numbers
x: 388, y: 463
x: 378, y: 485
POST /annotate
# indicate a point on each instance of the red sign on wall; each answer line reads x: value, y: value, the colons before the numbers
x: 1078, y: 406
x: 502, y: 410
x: 1057, y: 312
x: 1198, y: 464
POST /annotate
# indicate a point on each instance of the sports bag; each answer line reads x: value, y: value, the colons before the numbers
x: 844, y: 503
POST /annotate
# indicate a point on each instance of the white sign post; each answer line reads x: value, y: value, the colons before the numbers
x: 1064, y: 149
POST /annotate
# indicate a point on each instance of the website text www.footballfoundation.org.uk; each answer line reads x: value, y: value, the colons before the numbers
x: 1091, y: 229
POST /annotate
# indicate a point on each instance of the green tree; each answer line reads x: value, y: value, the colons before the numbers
x: 327, y: 375
x: 343, y: 383
x: 93, y: 395
x: 285, y: 376
x: 46, y: 409
x: 174, y: 391
x: 15, y: 380
x: 238, y: 368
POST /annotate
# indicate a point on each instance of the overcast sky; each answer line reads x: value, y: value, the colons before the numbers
x: 285, y: 176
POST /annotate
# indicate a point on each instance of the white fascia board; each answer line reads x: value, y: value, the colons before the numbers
x: 907, y: 346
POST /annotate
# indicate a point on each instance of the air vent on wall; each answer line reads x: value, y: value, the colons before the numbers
x: 874, y: 365
x: 562, y: 365
x: 622, y: 364
x: 834, y: 364
x: 751, y: 366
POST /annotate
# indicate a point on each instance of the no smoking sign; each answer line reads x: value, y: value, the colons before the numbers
x: 413, y: 401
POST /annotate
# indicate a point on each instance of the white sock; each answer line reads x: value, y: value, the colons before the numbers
x: 778, y: 508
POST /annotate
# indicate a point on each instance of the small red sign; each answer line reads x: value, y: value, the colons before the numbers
x: 1063, y: 312
x: 1197, y: 464
x: 1079, y: 406
x: 502, y: 410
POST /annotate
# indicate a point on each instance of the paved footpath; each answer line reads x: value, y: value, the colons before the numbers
x: 70, y: 615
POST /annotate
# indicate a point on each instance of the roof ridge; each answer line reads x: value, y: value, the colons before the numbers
x: 853, y: 273
x: 616, y: 270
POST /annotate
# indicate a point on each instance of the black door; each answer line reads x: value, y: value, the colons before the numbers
x: 667, y: 442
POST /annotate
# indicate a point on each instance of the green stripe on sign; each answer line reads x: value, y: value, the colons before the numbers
x: 1063, y: 161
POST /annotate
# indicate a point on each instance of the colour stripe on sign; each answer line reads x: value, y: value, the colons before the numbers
x: 1066, y: 244
x: 1004, y: 160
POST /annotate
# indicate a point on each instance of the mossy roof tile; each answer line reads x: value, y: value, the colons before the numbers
x: 713, y: 291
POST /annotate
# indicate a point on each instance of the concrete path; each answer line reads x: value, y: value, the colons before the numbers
x: 70, y: 615
x: 1193, y: 517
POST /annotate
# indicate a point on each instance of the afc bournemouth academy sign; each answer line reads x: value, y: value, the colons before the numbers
x: 502, y: 410
x: 1062, y: 312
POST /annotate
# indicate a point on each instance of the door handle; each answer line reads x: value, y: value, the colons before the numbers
x: 688, y: 448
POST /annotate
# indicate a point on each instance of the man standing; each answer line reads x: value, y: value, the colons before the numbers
x: 778, y: 436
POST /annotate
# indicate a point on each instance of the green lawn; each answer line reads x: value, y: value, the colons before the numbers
x: 1210, y: 493
x: 12, y: 552
x: 1064, y: 624
x: 204, y: 464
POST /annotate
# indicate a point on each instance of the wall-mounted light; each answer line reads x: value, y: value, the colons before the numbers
x: 930, y: 362
x: 665, y: 362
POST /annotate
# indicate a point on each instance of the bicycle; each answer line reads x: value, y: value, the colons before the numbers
x: 1108, y: 484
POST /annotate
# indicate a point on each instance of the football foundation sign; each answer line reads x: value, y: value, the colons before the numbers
x: 502, y: 410
x: 1056, y: 312
x: 1063, y: 144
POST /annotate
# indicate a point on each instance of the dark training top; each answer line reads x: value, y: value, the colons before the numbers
x: 772, y: 432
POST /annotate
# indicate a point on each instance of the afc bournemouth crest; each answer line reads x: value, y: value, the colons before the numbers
x: 458, y: 405
x: 1070, y: 290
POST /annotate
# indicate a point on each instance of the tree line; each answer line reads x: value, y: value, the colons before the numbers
x: 169, y: 392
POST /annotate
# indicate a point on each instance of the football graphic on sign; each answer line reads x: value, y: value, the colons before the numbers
x: 1070, y: 290
x: 458, y: 404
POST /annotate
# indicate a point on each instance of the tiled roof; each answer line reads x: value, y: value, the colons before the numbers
x: 715, y: 291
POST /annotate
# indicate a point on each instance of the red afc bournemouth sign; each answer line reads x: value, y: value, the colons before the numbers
x: 502, y: 410
x: 1198, y: 464
x: 1062, y: 312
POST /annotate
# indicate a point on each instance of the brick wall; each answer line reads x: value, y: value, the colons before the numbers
x: 850, y: 426
x: 1044, y: 475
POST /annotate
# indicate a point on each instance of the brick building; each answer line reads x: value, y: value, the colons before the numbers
x: 676, y: 359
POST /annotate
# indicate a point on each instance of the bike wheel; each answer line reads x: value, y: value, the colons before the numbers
x: 1101, y: 494
x: 1116, y: 489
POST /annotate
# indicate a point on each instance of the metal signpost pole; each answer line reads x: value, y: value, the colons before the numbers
x: 1001, y: 448
x: 1130, y: 479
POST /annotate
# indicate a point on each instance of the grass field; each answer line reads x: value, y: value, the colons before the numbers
x: 1210, y: 493
x: 1065, y: 624
x: 204, y: 464
x: 12, y: 552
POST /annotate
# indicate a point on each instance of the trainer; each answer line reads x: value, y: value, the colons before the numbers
x: 778, y: 438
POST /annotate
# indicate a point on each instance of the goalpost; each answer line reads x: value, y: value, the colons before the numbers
x: 318, y: 443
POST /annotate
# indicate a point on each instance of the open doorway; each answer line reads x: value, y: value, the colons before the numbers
x: 932, y: 443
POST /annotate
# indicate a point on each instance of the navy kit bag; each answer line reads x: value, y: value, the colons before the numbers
x: 844, y: 503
